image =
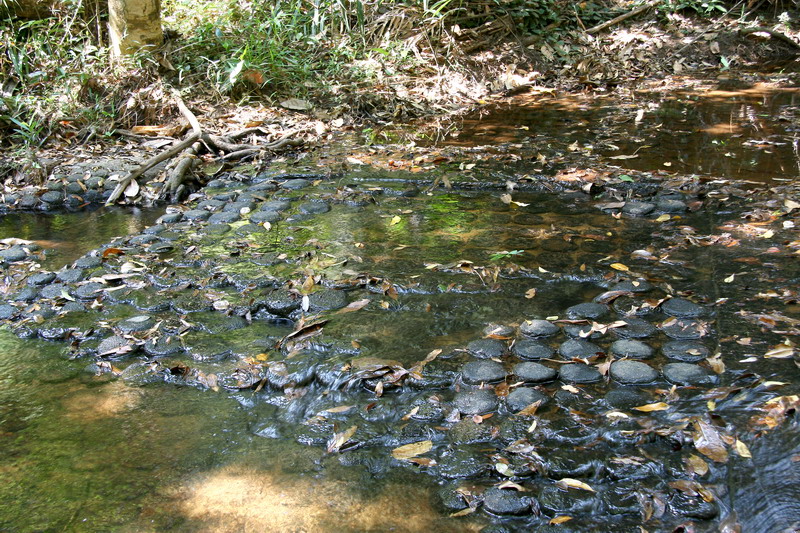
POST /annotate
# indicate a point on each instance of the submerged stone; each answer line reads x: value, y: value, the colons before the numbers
x: 521, y: 397
x: 632, y: 372
x: 89, y: 291
x: 476, y: 372
x: 579, y: 373
x: 638, y: 285
x: 588, y: 310
x: 681, y: 307
x: 487, y: 348
x: 625, y: 398
x: 13, y: 254
x: 578, y: 331
x: 530, y: 349
x: 538, y: 328
x: 314, y: 208
x: 506, y: 501
x: 683, y: 328
x: 635, y: 328
x: 475, y: 402
x: 136, y: 323
x: 669, y: 205
x: 40, y: 279
x: 578, y: 348
x: 295, y: 184
x: 687, y: 374
x: 687, y: 351
x: 638, y: 209
x: 534, y: 372
x: 462, y: 464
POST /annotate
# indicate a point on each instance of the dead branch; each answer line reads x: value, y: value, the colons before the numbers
x: 772, y: 33
x: 624, y: 16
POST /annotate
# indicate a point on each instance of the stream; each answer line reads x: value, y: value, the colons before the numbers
x: 492, y: 350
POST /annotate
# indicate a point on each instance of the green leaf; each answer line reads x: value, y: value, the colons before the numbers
x: 625, y: 177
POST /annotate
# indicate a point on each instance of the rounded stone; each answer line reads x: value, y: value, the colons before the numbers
x: 163, y: 346
x: 506, y: 502
x: 88, y: 261
x: 532, y: 350
x: 578, y: 331
x: 53, y: 291
x: 588, y: 310
x: 26, y: 294
x: 70, y: 275
x: 137, y: 323
x: 275, y: 205
x: 625, y: 398
x: 13, y: 254
x: 89, y: 291
x: 635, y: 328
x: 521, y: 397
x: 683, y: 328
x: 28, y: 201
x: 538, y: 328
x: 295, y: 184
x: 226, y: 217
x: 53, y: 197
x: 160, y: 248
x: 42, y: 278
x: 487, y: 348
x: 681, y: 307
x: 7, y: 311
x: 242, y: 204
x: 578, y: 348
x: 638, y: 209
x: 170, y: 218
x: 217, y: 229
x: 534, y: 372
x: 259, y: 217
x: 483, y: 371
x: 637, y: 285
x: 687, y: 374
x: 197, y: 214
x: 669, y: 205
x: 314, y: 208
x: 112, y: 345
x: 579, y: 373
x: 263, y: 186
x: 687, y: 351
x: 475, y: 402
x: 154, y: 230
x: 631, y: 348
x: 632, y: 372
x: 140, y: 240
x: 499, y: 330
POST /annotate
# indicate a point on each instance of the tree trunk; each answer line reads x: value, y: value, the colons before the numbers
x: 134, y: 25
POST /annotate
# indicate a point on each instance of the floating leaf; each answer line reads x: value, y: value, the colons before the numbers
x: 568, y: 482
x: 132, y: 189
x: 697, y: 465
x: 531, y: 409
x: 783, y: 350
x: 708, y: 442
x: 504, y: 469
x: 559, y: 520
x: 112, y: 251
x: 730, y: 278
x: 530, y: 293
x: 650, y: 407
x: 663, y: 218
x: 742, y: 449
x: 353, y: 306
x: 395, y: 220
x: 620, y: 266
x: 407, y: 451
x: 338, y: 409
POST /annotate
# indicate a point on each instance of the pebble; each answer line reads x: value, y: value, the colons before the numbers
x: 476, y: 372
x: 487, y: 348
x: 687, y: 374
x: 687, y: 351
x: 475, y: 402
x: 631, y: 348
x: 534, y: 372
x: 529, y: 349
x: 538, y: 328
x: 632, y: 372
x: 579, y: 373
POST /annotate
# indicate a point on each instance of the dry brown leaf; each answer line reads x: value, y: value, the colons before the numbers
x: 708, y: 442
x: 571, y: 483
x: 650, y: 407
x: 340, y: 439
x: 559, y: 520
x: 407, y: 451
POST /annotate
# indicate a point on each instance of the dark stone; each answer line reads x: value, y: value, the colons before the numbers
x: 534, y: 372
x: 239, y: 205
x: 500, y: 330
x: 483, y: 371
x: 170, y: 218
x: 668, y: 205
x: 259, y: 217
x: 136, y: 323
x: 631, y: 348
x: 687, y: 374
x: 190, y: 304
x: 226, y: 217
x: 163, y: 346
x: 326, y: 300
x: 53, y: 197
x: 578, y: 348
x: 314, y: 208
x: 263, y: 186
x: 295, y: 184
x: 529, y: 349
x: 88, y: 261
x: 53, y: 291
x: 521, y: 397
x: 42, y: 278
x: 114, y: 345
x: 475, y: 402
x: 217, y: 229
x: 632, y: 372
x: 28, y: 201
x: 625, y: 398
x: 635, y: 328
x: 196, y: 214
x: 7, y: 312
x: 26, y: 294
x: 487, y: 348
x: 638, y: 285
x: 506, y: 502
x: 71, y: 275
x: 577, y: 331
x: 155, y: 229
x: 462, y: 464
x: 89, y: 291
x: 556, y: 500
x: 466, y: 431
x: 13, y: 254
x: 680, y: 307
x: 683, y: 328
x: 160, y: 248
x: 275, y: 205
x: 279, y: 302
x: 638, y: 209
x: 247, y: 229
x: 579, y: 373
x: 538, y: 328
x: 588, y: 310
x: 451, y: 498
x: 686, y: 351
x: 210, y: 205
x: 74, y: 188
x: 140, y: 240
x: 683, y: 504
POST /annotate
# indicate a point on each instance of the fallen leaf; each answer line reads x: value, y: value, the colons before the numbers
x: 663, y: 218
x: 531, y: 409
x: 112, y: 251
x: 530, y: 293
x: 708, y: 442
x: 407, y: 451
x: 742, y: 449
x: 340, y: 439
x: 395, y: 220
x: 650, y: 407
x: 297, y: 104
x: 559, y: 520
x: 619, y: 266
x: 338, y: 409
x: 568, y: 482
x: 132, y: 189
x: 353, y: 306
x: 697, y: 465
x: 783, y: 350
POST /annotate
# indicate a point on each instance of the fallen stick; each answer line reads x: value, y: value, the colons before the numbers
x: 772, y: 33
x: 624, y: 16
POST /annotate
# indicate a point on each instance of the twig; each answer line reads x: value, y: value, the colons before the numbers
x: 624, y: 16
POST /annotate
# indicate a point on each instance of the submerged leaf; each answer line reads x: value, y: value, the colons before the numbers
x: 340, y: 439
x: 568, y: 482
x: 407, y: 451
x: 650, y: 407
x: 708, y: 442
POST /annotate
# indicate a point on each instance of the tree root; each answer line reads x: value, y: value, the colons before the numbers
x: 223, y: 147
